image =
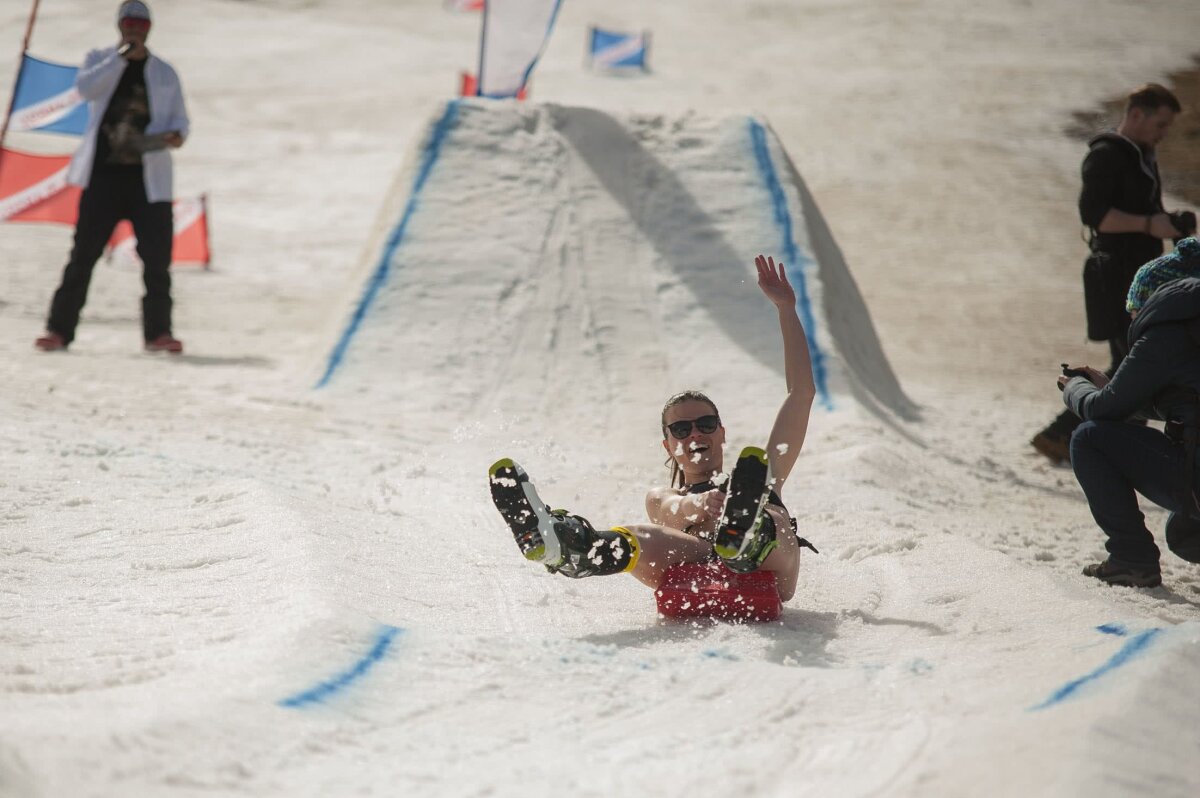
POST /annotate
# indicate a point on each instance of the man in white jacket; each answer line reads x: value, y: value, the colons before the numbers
x: 136, y: 115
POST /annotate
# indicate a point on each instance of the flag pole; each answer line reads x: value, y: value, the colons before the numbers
x: 482, y: 48
x: 29, y: 27
x: 207, y: 243
x: 12, y: 101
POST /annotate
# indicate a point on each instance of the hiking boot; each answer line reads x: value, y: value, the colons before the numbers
x: 586, y: 552
x: 165, y: 343
x: 523, y: 510
x: 746, y: 532
x: 565, y: 543
x: 1123, y: 575
x: 51, y: 341
x: 1055, y: 446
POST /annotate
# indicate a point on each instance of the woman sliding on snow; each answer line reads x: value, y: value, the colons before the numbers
x: 740, y: 521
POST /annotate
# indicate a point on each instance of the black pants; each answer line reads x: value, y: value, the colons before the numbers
x: 1114, y: 462
x: 113, y: 195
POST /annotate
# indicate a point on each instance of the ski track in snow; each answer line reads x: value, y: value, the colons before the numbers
x: 188, y: 543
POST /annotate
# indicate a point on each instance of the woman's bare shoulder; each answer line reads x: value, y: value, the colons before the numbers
x: 662, y: 499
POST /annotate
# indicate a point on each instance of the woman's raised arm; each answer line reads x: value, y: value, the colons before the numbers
x: 791, y: 423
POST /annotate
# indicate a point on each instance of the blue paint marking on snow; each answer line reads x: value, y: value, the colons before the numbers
x: 432, y: 150
x: 1117, y: 629
x: 1134, y: 647
x: 318, y: 693
x: 792, y: 256
x: 920, y: 667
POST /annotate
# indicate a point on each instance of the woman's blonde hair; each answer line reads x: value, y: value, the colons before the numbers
x: 680, y: 398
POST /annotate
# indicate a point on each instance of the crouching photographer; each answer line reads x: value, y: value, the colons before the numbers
x: 1159, y: 379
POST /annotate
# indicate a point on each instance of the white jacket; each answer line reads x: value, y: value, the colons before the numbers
x: 96, y: 81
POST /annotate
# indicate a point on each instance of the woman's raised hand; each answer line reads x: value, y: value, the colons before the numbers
x: 712, y: 502
x: 774, y: 283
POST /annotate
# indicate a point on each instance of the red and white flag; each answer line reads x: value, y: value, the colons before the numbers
x: 191, y: 234
x: 34, y: 188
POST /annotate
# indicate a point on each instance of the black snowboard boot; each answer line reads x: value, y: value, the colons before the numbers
x: 746, y: 532
x: 565, y: 543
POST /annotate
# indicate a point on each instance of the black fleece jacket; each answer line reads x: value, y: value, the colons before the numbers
x: 1116, y: 174
x: 1162, y: 360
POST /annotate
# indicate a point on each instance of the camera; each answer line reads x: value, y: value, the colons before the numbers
x: 1070, y: 372
x: 1184, y: 222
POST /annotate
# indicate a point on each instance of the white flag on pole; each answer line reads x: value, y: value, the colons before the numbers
x: 514, y: 34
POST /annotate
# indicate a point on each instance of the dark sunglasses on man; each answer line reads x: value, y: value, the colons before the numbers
x: 706, y: 424
x: 135, y: 24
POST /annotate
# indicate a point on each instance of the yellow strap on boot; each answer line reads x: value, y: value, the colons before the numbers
x: 634, y: 547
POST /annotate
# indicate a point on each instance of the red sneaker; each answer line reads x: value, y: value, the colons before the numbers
x: 51, y: 342
x: 165, y: 343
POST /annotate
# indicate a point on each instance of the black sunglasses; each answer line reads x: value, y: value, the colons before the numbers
x: 706, y: 424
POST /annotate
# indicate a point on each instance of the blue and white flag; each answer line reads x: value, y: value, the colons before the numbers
x: 514, y: 34
x: 610, y: 50
x: 46, y: 99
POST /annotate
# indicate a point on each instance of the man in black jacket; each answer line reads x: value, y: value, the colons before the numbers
x: 1114, y: 460
x: 1121, y: 205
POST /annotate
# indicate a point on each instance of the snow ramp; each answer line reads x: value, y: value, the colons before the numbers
x: 543, y: 248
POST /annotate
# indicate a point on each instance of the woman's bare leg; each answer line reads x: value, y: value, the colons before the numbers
x: 784, y: 560
x: 660, y: 547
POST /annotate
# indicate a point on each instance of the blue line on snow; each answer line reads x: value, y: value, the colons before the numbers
x: 1136, y: 645
x: 318, y: 693
x: 430, y: 155
x: 792, y: 255
x: 1117, y: 629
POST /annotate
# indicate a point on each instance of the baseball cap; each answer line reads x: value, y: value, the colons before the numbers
x: 133, y: 9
